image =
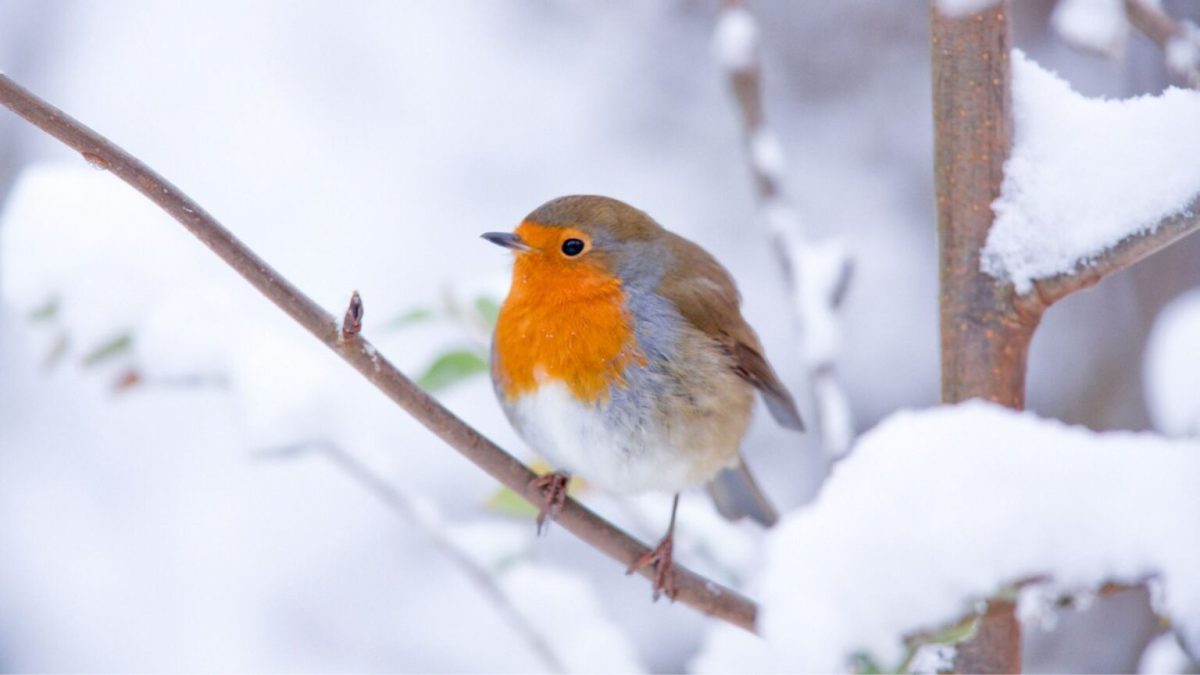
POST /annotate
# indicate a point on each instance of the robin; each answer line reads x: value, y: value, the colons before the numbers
x: 621, y: 354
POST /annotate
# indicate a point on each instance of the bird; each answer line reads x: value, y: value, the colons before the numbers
x: 620, y: 354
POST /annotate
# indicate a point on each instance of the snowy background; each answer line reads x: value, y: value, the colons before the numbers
x: 167, y: 499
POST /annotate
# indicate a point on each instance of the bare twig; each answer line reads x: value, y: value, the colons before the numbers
x: 699, y: 592
x: 400, y: 504
x: 1179, y: 40
x: 352, y: 322
x: 816, y: 290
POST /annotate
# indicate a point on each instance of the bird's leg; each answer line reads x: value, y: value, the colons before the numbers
x: 660, y: 557
x: 553, y: 487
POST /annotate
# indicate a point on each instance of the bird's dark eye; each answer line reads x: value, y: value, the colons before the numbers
x: 572, y: 247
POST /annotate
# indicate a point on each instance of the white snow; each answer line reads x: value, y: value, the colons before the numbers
x: 1164, y: 656
x: 820, y: 267
x: 935, y: 510
x: 766, y: 153
x: 1086, y: 173
x: 1171, y: 370
x: 960, y: 8
x: 109, y: 292
x: 1183, y: 53
x: 933, y: 658
x: 1098, y: 25
x: 735, y: 40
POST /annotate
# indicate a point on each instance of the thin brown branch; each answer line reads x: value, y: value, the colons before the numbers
x: 1124, y: 254
x: 742, y: 62
x: 1179, y: 41
x: 694, y: 590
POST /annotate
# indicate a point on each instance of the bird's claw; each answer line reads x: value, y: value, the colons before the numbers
x: 664, y: 568
x: 553, y: 487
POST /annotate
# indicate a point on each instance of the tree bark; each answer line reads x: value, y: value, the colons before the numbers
x: 985, y: 338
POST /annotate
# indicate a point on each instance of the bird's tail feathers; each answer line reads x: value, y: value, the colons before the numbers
x: 737, y: 495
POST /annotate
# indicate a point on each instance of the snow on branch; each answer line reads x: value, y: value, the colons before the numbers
x: 956, y: 9
x: 817, y: 272
x: 703, y: 594
x: 1091, y: 185
x: 960, y: 503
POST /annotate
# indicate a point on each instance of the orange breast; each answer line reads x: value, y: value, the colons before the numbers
x: 564, y: 320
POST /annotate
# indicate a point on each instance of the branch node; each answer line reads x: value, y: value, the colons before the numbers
x: 352, y: 324
x: 96, y: 161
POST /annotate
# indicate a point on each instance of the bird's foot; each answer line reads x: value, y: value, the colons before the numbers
x: 664, y: 567
x: 553, y: 487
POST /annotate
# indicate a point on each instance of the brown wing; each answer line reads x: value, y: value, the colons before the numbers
x: 707, y: 297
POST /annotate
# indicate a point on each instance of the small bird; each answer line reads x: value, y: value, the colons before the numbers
x: 621, y: 355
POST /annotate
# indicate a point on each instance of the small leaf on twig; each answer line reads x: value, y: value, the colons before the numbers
x: 451, y: 368
x: 114, y: 346
x: 507, y: 502
x: 412, y: 316
x: 47, y: 310
x: 488, y: 310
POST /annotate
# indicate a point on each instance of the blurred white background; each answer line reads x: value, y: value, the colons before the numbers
x: 365, y: 145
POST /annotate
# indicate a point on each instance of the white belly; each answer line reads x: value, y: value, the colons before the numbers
x: 576, y: 438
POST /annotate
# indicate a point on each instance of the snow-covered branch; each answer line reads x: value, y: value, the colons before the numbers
x: 964, y: 502
x: 701, y: 593
x: 1092, y: 185
x: 817, y: 272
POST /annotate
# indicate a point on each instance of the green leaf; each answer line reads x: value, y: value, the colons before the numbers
x: 508, y: 503
x: 47, y: 310
x: 488, y: 310
x: 413, y: 316
x: 114, y: 346
x: 451, y: 368
x: 865, y: 665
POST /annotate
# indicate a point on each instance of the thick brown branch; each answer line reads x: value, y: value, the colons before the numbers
x: 1125, y: 253
x: 704, y: 595
x: 985, y: 341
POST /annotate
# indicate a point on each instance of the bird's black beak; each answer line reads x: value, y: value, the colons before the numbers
x: 507, y: 240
